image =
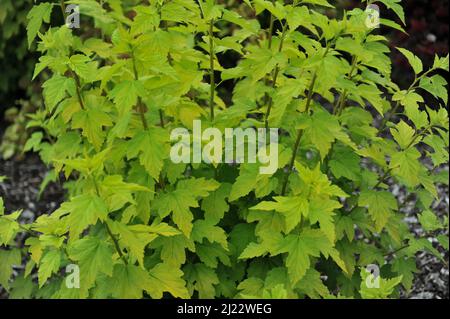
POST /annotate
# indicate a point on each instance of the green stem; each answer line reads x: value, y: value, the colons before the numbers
x: 271, y: 26
x: 416, y: 136
x: 300, y: 132
x: 383, y: 177
x: 108, y: 229
x: 424, y: 235
x: 161, y: 118
x: 397, y: 105
x: 275, y: 76
x: 388, y: 116
x: 165, y: 27
x: 29, y: 231
x: 140, y: 105
x: 78, y: 89
x: 63, y: 9
x: 116, y: 243
x: 211, y: 69
x: 299, y: 135
x: 396, y: 251
x: 141, y: 110
x: 269, y: 46
x: 341, y: 103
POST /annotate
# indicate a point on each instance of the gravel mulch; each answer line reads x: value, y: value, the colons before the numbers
x: 21, y: 188
x: 432, y: 280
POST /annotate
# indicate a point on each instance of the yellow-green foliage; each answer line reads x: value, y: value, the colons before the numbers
x: 139, y: 225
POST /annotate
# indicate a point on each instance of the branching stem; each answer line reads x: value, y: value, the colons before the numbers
x: 275, y: 76
x: 299, y: 135
x: 108, y: 229
x: 140, y: 105
x: 211, y: 69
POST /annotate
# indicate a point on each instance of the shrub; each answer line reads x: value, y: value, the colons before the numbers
x: 139, y: 225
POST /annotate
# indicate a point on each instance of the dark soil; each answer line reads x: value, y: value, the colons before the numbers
x: 21, y: 188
